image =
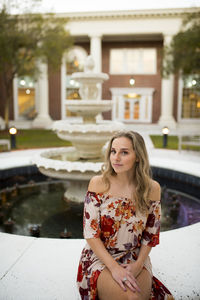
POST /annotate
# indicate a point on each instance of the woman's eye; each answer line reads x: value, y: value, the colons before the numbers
x: 112, y: 151
x: 124, y: 152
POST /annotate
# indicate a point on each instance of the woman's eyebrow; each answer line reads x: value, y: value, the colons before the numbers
x: 120, y: 148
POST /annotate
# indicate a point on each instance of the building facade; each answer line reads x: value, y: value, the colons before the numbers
x: 127, y: 45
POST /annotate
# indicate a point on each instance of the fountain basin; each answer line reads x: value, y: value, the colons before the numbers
x: 89, y: 109
x: 62, y: 163
x: 65, y: 160
x: 90, y: 77
x: 88, y: 139
x: 89, y: 84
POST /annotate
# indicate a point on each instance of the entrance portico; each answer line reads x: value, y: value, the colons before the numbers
x: 132, y: 105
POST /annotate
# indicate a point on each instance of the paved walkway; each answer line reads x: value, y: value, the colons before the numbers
x: 45, y: 269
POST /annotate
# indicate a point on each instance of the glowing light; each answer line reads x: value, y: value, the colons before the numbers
x: 13, y: 130
x: 133, y: 95
x: 72, y: 82
x: 22, y: 82
x: 132, y: 81
x: 165, y: 130
x: 194, y: 82
x: 76, y: 63
x: 28, y: 91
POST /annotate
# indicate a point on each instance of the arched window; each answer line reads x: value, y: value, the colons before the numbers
x: 74, y: 62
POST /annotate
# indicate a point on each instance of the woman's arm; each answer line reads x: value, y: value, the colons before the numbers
x: 150, y: 234
x: 99, y: 249
x: 136, y: 267
x: 117, y: 271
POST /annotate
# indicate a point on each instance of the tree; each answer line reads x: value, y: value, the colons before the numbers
x: 24, y: 39
x: 183, y: 54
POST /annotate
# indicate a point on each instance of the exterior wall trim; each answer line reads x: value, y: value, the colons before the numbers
x: 169, y: 12
x: 144, y: 90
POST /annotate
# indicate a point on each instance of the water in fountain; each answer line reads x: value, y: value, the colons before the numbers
x: 79, y: 163
x: 39, y: 206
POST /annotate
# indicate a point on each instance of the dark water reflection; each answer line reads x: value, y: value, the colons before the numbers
x: 43, y: 204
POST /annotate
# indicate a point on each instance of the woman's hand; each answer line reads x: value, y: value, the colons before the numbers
x: 124, y: 277
x: 134, y: 267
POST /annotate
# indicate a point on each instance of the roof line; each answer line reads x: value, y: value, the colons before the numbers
x: 129, y: 13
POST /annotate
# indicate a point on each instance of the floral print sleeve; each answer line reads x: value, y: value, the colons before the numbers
x: 91, y: 216
x: 150, y: 235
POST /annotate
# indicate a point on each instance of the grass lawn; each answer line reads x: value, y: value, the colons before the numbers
x: 35, y: 138
x: 41, y: 138
x: 171, y: 144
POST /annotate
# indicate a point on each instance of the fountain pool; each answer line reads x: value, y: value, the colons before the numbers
x: 42, y: 203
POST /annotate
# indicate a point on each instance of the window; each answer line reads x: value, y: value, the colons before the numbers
x: 191, y: 98
x: 133, y: 61
x: 26, y: 98
x: 74, y: 63
x: 132, y: 106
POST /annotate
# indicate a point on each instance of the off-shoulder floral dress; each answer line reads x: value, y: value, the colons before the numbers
x: 122, y: 231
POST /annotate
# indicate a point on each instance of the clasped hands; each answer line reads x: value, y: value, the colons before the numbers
x: 125, y: 275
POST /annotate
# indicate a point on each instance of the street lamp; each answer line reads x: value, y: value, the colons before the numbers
x: 165, y: 132
x: 13, y: 132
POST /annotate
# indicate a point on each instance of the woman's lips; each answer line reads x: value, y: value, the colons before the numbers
x: 117, y: 165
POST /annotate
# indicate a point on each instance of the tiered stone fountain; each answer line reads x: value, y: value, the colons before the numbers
x: 79, y: 163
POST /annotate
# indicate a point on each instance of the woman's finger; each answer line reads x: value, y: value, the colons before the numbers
x: 131, y: 287
x: 133, y: 277
x: 134, y: 283
x: 121, y: 283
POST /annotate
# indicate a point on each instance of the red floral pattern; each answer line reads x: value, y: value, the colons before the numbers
x: 122, y: 231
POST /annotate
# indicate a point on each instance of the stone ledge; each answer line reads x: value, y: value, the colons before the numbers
x: 45, y: 269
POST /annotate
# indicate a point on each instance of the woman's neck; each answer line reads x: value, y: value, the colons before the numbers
x: 122, y: 185
x: 125, y: 179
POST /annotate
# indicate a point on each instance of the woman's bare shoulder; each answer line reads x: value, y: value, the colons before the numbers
x: 155, y: 191
x: 97, y: 184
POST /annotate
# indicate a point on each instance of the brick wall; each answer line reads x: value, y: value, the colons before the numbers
x: 152, y: 81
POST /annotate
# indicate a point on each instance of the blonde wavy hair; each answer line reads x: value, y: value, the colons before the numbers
x: 141, y: 171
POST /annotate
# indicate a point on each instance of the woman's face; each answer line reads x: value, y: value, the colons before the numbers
x: 122, y: 155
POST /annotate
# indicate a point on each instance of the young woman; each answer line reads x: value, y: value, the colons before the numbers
x: 121, y: 225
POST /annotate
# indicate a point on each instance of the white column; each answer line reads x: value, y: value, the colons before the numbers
x: 63, y: 88
x: 96, y: 52
x: 15, y: 98
x: 2, y: 123
x: 43, y: 120
x: 167, y: 93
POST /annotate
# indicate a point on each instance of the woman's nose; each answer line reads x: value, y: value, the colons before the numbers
x: 117, y: 156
